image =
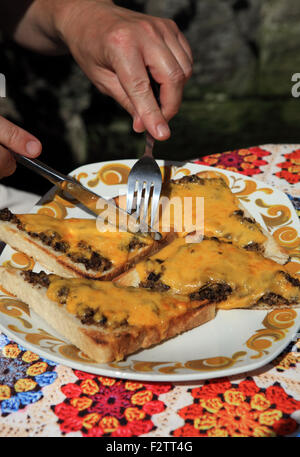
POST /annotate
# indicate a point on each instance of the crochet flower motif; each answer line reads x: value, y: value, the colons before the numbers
x: 296, y: 203
x: 222, y: 408
x: 23, y: 374
x: 290, y: 169
x: 245, y: 161
x: 288, y: 358
x: 97, y: 406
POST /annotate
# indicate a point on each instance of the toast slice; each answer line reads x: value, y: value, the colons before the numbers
x: 224, y: 215
x: 103, y: 320
x: 218, y: 271
x: 75, y: 247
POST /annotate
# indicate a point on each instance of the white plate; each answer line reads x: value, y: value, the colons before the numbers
x: 234, y: 342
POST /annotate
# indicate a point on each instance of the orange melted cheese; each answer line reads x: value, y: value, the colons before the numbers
x: 111, y: 245
x: 185, y: 268
x: 219, y: 207
x: 137, y: 307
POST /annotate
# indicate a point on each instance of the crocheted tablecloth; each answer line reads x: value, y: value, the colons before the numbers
x: 41, y: 398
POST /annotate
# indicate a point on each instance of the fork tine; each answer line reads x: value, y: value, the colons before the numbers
x: 155, y: 203
x: 140, y: 185
x: 146, y: 201
x: 130, y: 195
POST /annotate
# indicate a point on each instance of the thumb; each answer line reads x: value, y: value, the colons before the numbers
x: 18, y: 140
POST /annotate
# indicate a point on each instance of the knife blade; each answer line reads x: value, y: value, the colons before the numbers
x: 90, y: 202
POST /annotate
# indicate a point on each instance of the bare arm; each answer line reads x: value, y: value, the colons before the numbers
x: 114, y: 47
x: 27, y: 25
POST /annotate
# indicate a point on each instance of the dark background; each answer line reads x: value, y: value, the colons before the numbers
x: 245, y: 53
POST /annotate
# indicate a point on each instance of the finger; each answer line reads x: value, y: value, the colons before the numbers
x: 121, y: 97
x: 7, y: 163
x: 179, y: 53
x: 118, y: 93
x: 186, y: 46
x: 138, y: 124
x: 108, y: 83
x: 169, y: 74
x: 131, y: 71
x: 18, y: 140
x: 169, y: 26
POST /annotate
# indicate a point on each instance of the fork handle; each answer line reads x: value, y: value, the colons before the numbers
x: 149, y: 138
x: 149, y: 145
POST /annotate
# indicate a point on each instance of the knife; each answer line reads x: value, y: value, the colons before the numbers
x: 90, y: 202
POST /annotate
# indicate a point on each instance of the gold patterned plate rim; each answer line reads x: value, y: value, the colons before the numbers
x: 235, y: 342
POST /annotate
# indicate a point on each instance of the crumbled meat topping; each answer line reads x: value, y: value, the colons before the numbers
x: 254, y: 247
x: 135, y: 243
x: 273, y: 299
x: 52, y: 239
x: 188, y: 179
x: 153, y: 282
x: 8, y: 216
x: 95, y: 262
x: 63, y: 295
x: 214, y: 293
x: 294, y: 281
x: 41, y: 278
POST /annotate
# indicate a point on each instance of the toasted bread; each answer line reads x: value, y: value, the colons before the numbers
x: 215, y: 270
x: 74, y: 247
x: 225, y: 217
x: 103, y: 320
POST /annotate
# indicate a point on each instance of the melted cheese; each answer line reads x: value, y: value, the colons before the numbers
x: 188, y: 267
x: 111, y: 245
x: 137, y: 307
x: 219, y: 221
x: 219, y: 207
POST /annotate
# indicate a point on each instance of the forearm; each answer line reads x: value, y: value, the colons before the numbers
x: 35, y: 24
x: 29, y: 25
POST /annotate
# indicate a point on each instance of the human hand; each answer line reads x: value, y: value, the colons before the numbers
x: 115, y: 46
x: 13, y: 138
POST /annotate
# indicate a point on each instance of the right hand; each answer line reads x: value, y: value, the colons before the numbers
x: 14, y: 138
x: 115, y: 46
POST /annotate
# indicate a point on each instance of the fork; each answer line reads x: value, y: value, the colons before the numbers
x: 145, y: 171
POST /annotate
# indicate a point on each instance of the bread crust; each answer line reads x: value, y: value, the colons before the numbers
x: 61, y: 265
x: 268, y: 300
x: 271, y: 249
x: 100, y: 345
x: 128, y: 279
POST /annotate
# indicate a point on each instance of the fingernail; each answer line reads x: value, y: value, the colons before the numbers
x: 33, y: 147
x: 138, y: 125
x: 162, y: 130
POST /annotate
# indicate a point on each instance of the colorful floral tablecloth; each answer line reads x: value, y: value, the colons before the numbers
x: 41, y: 399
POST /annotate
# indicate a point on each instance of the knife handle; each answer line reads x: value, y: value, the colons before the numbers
x: 55, y: 177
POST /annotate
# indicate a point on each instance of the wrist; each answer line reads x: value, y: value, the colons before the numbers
x: 65, y: 13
